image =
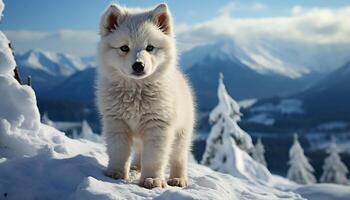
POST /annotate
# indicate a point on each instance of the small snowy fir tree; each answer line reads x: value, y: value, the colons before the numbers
x: 300, y: 170
x: 87, y: 133
x: 227, y: 143
x: 334, y: 170
x: 46, y: 120
x: 258, y: 152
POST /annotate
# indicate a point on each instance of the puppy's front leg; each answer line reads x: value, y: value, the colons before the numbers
x: 119, y: 141
x: 156, y: 144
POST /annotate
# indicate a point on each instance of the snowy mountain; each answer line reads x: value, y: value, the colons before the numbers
x: 57, y: 64
x: 331, y: 96
x: 204, y: 63
x: 325, y: 102
x: 48, y: 69
x: 79, y: 87
x: 317, y: 113
x: 226, y: 49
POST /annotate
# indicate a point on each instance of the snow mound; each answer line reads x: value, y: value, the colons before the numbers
x: 2, y: 6
x: 7, y: 62
x: 81, y: 177
x: 324, y: 192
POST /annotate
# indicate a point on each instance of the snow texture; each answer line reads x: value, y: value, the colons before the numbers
x: 258, y: 153
x: 2, y: 6
x: 300, y: 169
x: 324, y: 192
x: 247, y: 103
x: 334, y: 170
x: 7, y: 62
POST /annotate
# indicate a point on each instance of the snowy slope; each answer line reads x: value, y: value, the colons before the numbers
x: 204, y: 63
x: 7, y: 62
x: 227, y: 49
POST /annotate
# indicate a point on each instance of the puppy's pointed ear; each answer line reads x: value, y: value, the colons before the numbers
x: 162, y: 18
x: 111, y: 19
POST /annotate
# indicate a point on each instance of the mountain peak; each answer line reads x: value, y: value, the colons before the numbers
x: 58, y: 64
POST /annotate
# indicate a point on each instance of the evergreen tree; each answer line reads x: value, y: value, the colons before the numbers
x: 227, y: 143
x: 87, y: 133
x: 46, y: 120
x: 258, y: 152
x: 334, y: 170
x: 300, y: 170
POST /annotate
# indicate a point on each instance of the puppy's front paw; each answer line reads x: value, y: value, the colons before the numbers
x: 150, y: 183
x: 116, y: 174
x: 178, y: 182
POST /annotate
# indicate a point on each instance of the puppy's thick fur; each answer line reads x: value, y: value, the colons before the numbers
x: 153, y: 110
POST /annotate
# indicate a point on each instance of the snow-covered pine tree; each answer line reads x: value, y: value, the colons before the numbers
x: 46, y: 120
x: 334, y: 170
x: 258, y: 152
x: 227, y: 143
x: 300, y: 170
x: 86, y: 130
x: 87, y: 133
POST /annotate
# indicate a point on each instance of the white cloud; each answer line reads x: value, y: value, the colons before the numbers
x: 80, y: 43
x: 241, y: 6
x: 259, y: 7
x: 296, y: 10
x: 313, y: 40
x: 228, y: 8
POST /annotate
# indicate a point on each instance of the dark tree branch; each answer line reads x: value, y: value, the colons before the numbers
x: 29, y: 81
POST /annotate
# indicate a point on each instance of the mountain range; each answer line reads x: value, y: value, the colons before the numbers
x: 48, y: 69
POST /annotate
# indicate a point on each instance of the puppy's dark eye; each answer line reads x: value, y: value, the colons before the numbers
x: 149, y: 48
x: 125, y: 48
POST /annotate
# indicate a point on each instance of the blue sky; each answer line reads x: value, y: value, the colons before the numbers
x: 53, y: 15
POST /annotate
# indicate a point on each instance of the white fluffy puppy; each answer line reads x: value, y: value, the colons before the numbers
x: 143, y: 97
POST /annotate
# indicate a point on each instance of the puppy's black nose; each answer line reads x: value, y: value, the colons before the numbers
x: 138, y: 67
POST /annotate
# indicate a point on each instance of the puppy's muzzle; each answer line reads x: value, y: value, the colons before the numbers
x: 138, y: 68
